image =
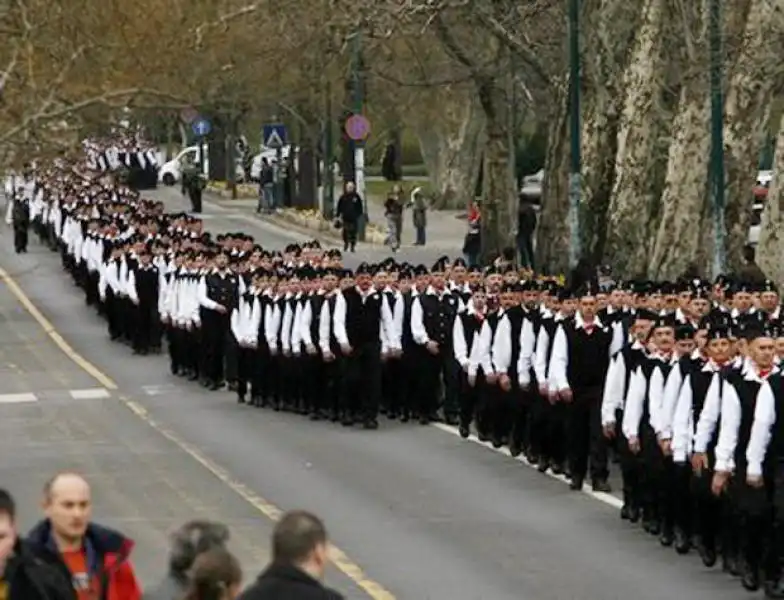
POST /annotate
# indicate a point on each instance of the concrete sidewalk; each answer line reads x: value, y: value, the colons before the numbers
x: 446, y: 229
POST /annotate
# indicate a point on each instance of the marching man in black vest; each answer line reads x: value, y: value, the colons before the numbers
x: 578, y: 368
x: 465, y: 343
x: 747, y: 489
x: 361, y: 321
x: 218, y: 295
x: 143, y: 290
x: 433, y: 317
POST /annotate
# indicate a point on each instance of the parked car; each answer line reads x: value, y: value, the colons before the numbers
x: 171, y: 171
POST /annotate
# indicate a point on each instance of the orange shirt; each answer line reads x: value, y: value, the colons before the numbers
x: 85, y: 586
x: 3, y: 590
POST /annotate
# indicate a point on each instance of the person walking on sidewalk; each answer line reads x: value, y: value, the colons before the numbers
x: 350, y: 211
x: 419, y: 215
x: 393, y: 211
x: 266, y: 185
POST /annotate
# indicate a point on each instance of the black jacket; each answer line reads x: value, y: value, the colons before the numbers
x: 30, y: 578
x: 281, y: 582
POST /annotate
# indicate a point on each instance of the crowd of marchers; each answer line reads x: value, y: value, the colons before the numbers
x: 677, y: 380
x: 67, y: 556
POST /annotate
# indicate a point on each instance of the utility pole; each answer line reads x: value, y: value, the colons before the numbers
x: 329, y: 172
x: 359, y: 146
x: 575, y: 183
x: 717, y: 139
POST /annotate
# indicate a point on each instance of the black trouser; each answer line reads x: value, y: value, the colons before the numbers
x: 470, y: 399
x: 331, y: 394
x: 411, y: 384
x: 20, y: 238
x: 548, y: 429
x: 362, y: 380
x: 111, y: 306
x: 631, y: 465
x: 707, y: 508
x: 520, y: 407
x: 349, y: 234
x: 215, y: 332
x: 146, y: 314
x: 499, y: 412
x: 312, y: 376
x: 438, y: 368
x: 585, y: 435
x: 657, y: 480
x: 195, y: 195
x: 232, y: 359
x: 245, y: 359
x: 391, y: 377
x: 259, y: 375
x: 753, y: 519
x: 292, y: 383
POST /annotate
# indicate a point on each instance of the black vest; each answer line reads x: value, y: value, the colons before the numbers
x: 363, y: 318
x: 223, y: 289
x: 438, y: 316
x: 147, y: 284
x: 747, y: 394
x: 589, y: 356
x: 316, y: 303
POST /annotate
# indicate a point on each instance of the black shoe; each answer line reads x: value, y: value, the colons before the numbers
x: 241, y: 398
x: 347, y: 422
x: 625, y: 510
x: 707, y: 554
x: 370, y: 424
x: 667, y: 538
x: 515, y: 450
x: 557, y: 468
x: 682, y: 542
x: 497, y: 442
x: 464, y: 431
x: 423, y: 420
x: 451, y: 420
x: 775, y: 588
x: 634, y: 514
x: 405, y: 417
x: 576, y: 485
x: 543, y: 465
x: 750, y: 579
x: 601, y: 485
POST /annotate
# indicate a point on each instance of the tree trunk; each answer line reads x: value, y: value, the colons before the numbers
x: 552, y: 236
x: 640, y: 163
x: 770, y: 249
x: 499, y: 198
x: 608, y: 34
x: 750, y: 94
x: 677, y: 242
x: 451, y: 149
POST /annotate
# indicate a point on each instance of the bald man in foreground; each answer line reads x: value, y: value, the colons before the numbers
x: 96, y: 559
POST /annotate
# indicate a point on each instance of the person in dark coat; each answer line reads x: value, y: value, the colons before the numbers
x: 22, y: 575
x: 299, y: 558
x: 350, y: 211
x: 188, y: 543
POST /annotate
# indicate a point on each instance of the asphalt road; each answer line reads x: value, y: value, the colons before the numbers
x: 423, y: 513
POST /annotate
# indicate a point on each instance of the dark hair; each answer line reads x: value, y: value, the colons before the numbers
x: 749, y: 253
x: 213, y: 573
x: 193, y: 539
x: 7, y: 504
x: 295, y: 536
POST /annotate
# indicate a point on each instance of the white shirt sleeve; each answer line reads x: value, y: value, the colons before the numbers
x: 709, y: 415
x: 236, y: 322
x: 764, y: 420
x: 501, y: 350
x: 418, y: 331
x: 459, y: 346
x: 612, y: 397
x: 669, y: 401
x: 682, y: 425
x: 655, y: 393
x: 540, y: 364
x: 635, y: 397
x: 559, y: 361
x: 526, y: 358
x: 272, y: 326
x: 324, y: 327
x: 387, y: 330
x: 339, y: 320
x: 484, y: 358
x: 131, y: 289
x: 285, y: 334
x: 305, y: 320
x: 728, y: 429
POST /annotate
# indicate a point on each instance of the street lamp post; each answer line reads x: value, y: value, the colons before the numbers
x: 575, y: 241
x: 717, y: 139
x: 359, y: 146
x: 329, y: 172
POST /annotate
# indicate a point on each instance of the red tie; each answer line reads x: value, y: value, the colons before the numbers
x: 764, y: 373
x: 589, y: 329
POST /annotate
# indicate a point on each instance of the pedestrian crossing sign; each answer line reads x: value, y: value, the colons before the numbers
x: 274, y: 135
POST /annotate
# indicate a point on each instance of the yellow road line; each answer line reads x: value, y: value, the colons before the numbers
x: 339, y: 558
x: 58, y: 339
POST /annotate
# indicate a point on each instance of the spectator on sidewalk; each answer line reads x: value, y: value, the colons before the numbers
x: 419, y: 215
x: 349, y: 212
x: 472, y: 245
x: 393, y: 211
x: 94, y: 558
x: 22, y: 576
x: 300, y: 554
x: 189, y: 542
x: 526, y: 226
x: 266, y: 188
x: 216, y: 575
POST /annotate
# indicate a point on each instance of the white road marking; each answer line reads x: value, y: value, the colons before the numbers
x: 608, y: 499
x: 89, y: 394
x: 159, y: 390
x: 18, y: 398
